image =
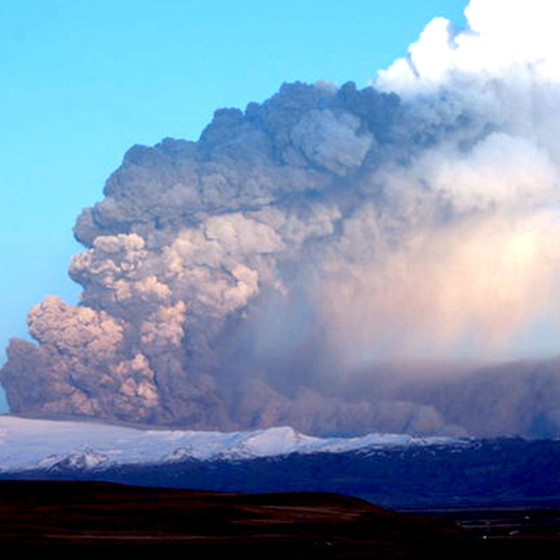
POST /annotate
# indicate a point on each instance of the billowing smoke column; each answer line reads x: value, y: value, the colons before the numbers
x: 252, y: 277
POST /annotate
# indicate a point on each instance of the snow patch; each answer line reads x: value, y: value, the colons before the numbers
x: 46, y: 444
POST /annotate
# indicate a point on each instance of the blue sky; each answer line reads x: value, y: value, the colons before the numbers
x: 83, y: 81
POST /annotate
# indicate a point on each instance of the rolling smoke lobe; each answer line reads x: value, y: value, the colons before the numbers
x: 264, y: 274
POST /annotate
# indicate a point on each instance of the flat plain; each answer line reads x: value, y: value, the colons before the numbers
x: 92, y: 517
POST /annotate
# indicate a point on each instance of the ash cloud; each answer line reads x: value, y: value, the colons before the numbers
x: 264, y: 274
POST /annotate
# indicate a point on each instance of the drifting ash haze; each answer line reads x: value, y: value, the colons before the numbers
x: 262, y: 275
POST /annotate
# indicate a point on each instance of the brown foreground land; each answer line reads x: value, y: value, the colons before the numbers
x: 89, y: 517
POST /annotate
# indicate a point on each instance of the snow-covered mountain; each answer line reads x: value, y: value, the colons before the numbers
x: 390, y: 470
x: 27, y: 444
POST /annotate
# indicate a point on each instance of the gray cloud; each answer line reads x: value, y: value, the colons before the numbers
x: 252, y: 277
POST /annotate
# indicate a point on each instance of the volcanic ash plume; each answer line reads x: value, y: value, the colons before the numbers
x: 252, y: 277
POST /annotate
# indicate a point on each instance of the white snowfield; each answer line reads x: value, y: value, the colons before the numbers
x: 29, y: 444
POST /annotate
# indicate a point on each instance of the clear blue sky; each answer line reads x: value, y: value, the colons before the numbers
x: 81, y: 81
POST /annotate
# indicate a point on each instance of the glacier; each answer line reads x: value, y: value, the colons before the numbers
x: 28, y: 444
